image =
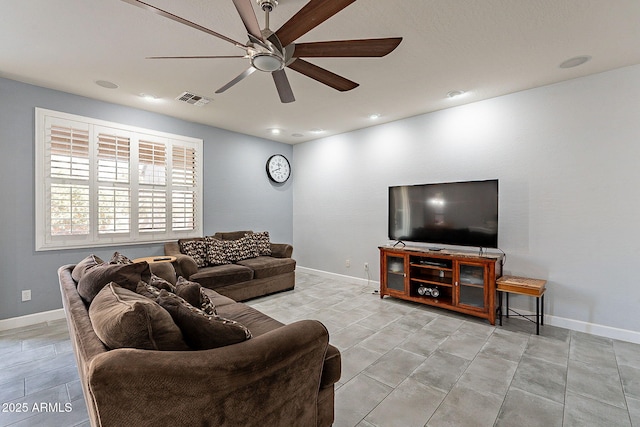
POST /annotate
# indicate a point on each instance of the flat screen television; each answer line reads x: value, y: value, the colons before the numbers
x: 454, y: 213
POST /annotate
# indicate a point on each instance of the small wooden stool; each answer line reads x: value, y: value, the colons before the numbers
x: 522, y: 286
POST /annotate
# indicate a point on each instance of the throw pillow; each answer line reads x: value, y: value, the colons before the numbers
x: 161, y: 283
x: 118, y: 258
x: 83, y: 266
x: 202, y: 331
x: 262, y: 241
x: 123, y: 319
x: 196, y: 249
x: 246, y: 247
x: 193, y: 293
x: 125, y: 275
x: 239, y: 249
x: 147, y: 290
x: 216, y: 251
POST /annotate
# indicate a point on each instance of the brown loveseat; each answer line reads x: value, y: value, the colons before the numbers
x: 272, y: 270
x: 283, y: 375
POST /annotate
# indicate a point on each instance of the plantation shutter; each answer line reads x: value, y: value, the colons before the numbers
x: 152, y: 195
x: 114, y: 197
x: 183, y: 180
x: 68, y: 178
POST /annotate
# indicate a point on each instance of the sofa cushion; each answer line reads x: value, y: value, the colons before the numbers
x: 125, y: 275
x: 231, y: 235
x: 202, y: 331
x: 266, y: 266
x: 83, y: 266
x: 165, y: 270
x: 258, y: 323
x: 196, y: 249
x: 222, y: 275
x: 192, y: 293
x: 123, y: 319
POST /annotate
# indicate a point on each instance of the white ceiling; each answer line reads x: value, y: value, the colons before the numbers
x: 484, y: 47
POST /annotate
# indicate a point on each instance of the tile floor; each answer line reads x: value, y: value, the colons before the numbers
x: 403, y: 365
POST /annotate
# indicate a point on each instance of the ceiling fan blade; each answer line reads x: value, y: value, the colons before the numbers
x: 248, y: 16
x: 283, y: 86
x: 195, y: 57
x: 310, y: 16
x: 347, y: 48
x: 176, y: 18
x: 241, y: 76
x: 323, y: 76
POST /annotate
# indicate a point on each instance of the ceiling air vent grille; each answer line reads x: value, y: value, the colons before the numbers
x: 193, y: 99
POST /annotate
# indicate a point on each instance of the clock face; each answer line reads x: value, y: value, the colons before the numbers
x: 278, y: 168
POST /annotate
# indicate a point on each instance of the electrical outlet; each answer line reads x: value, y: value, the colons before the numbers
x: 347, y: 263
x: 26, y: 295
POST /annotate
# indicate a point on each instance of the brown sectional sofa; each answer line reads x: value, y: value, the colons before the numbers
x: 243, y: 279
x: 284, y: 375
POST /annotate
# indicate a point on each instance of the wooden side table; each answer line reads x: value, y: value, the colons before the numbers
x: 522, y: 286
x: 154, y: 259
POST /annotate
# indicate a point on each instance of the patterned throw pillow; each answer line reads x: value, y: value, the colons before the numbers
x: 196, y: 249
x: 202, y: 331
x: 245, y: 248
x: 147, y: 290
x: 193, y: 293
x: 262, y: 242
x: 118, y: 258
x: 161, y: 283
x: 216, y: 251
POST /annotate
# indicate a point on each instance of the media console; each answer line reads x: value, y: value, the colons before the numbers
x: 455, y: 280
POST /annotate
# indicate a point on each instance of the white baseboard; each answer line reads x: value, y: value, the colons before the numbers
x: 561, y: 322
x: 366, y: 282
x: 31, y: 319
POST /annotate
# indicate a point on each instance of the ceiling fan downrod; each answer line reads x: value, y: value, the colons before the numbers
x: 267, y: 6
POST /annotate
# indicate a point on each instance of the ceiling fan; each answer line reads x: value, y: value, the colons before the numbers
x: 271, y: 52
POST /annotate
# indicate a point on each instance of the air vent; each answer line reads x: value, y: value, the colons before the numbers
x: 192, y: 99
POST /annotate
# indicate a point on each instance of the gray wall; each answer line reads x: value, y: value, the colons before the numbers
x: 567, y: 157
x: 237, y: 193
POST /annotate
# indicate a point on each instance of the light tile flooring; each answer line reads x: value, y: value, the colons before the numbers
x: 403, y: 365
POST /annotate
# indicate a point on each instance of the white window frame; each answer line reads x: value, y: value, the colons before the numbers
x: 44, y: 240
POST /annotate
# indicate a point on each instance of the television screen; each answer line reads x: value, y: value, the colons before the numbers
x: 455, y: 213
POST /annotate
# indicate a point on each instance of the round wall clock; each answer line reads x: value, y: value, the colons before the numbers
x: 278, y: 168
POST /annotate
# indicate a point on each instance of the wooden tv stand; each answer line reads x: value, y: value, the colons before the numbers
x: 463, y: 281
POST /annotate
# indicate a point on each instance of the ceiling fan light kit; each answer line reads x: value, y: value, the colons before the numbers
x: 272, y: 52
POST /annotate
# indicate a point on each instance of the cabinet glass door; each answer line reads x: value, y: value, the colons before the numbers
x: 395, y: 273
x: 471, y: 285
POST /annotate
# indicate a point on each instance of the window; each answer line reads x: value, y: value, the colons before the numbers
x: 101, y: 183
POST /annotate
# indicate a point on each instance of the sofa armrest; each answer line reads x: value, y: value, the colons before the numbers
x: 185, y: 265
x: 281, y: 250
x: 262, y: 381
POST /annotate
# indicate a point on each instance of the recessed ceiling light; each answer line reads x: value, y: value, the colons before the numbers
x: 455, y: 93
x: 106, y: 84
x: 317, y: 130
x: 297, y: 135
x: 374, y: 116
x: 275, y: 131
x: 574, y: 62
x: 149, y: 97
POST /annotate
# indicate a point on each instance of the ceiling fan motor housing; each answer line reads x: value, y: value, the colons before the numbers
x: 267, y: 5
